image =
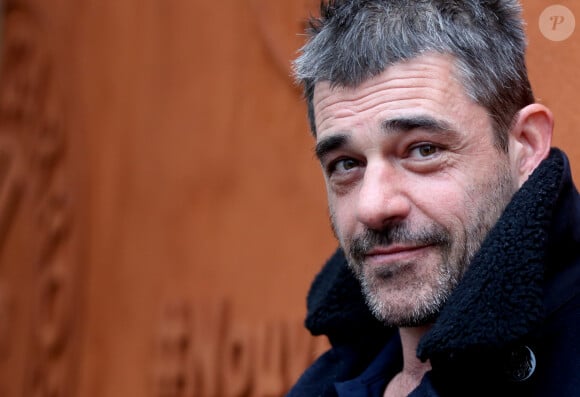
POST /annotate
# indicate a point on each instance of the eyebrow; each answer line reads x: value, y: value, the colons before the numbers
x: 405, y: 124
x: 390, y: 126
x: 330, y: 144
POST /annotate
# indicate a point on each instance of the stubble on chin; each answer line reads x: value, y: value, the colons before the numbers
x: 408, y: 293
x: 398, y: 297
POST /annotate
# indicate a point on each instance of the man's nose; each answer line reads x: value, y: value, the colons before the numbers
x: 382, y: 197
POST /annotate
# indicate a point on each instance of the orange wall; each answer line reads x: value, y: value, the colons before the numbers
x: 553, y: 68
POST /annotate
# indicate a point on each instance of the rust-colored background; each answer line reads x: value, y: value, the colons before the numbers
x: 161, y: 211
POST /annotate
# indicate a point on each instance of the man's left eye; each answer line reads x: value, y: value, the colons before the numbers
x: 424, y: 150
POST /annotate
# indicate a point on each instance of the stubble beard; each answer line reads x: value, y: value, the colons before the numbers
x: 426, y: 297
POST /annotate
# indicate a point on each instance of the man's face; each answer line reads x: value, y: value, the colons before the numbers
x: 414, y: 182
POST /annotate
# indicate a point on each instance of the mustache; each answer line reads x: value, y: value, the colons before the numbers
x: 433, y: 234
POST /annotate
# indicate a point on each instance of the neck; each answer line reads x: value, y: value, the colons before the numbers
x: 410, y: 338
x: 413, y: 369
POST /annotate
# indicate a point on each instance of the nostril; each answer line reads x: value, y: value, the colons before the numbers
x: 375, y: 211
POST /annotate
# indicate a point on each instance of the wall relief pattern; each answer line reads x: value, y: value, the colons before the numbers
x: 36, y: 210
x: 200, y: 351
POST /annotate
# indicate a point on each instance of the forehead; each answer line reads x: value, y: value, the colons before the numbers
x: 425, y: 85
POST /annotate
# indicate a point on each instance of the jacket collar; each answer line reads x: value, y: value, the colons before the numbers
x: 500, y: 298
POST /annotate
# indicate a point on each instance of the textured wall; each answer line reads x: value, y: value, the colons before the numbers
x: 161, y: 211
x: 553, y: 68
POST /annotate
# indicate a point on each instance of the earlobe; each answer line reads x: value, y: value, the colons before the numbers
x: 530, y: 139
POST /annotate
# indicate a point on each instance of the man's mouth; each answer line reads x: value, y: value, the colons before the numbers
x: 394, y: 253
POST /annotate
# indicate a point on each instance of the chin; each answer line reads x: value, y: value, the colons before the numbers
x: 395, y: 311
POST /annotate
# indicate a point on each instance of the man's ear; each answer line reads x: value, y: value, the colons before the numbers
x: 530, y: 139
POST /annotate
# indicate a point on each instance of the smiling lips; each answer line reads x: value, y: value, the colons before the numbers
x: 393, y: 253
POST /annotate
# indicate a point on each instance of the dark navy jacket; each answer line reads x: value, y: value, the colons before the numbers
x: 511, y: 327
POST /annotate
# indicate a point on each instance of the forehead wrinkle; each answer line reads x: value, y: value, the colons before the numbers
x: 338, y: 103
x: 367, y: 96
x: 405, y: 75
x: 420, y: 86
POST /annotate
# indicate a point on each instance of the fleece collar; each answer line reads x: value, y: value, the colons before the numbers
x: 500, y: 296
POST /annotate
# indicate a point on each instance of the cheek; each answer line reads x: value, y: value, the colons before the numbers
x: 343, y: 215
x: 444, y: 203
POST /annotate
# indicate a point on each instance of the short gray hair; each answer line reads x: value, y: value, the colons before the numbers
x: 354, y: 40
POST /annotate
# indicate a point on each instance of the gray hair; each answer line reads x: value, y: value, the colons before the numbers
x: 354, y: 40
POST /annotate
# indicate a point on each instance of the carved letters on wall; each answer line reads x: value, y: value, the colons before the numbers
x: 11, y: 185
x: 5, y: 322
x: 201, y: 352
x: 33, y: 181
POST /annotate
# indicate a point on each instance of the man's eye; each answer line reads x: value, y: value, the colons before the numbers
x: 344, y: 165
x: 424, y: 150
